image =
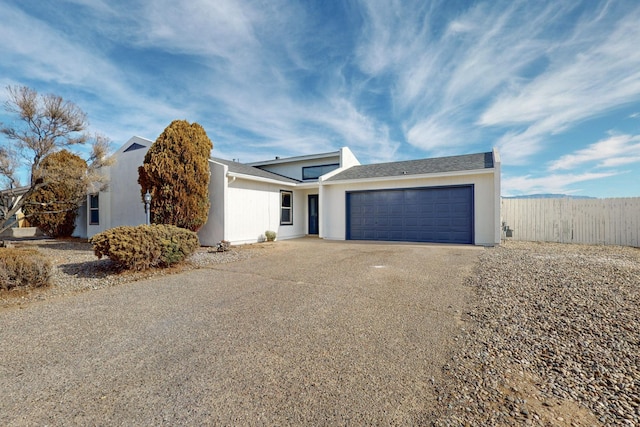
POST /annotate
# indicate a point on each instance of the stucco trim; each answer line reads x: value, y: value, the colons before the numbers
x: 259, y: 179
x: 410, y: 177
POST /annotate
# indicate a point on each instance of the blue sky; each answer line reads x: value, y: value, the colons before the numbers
x: 555, y: 85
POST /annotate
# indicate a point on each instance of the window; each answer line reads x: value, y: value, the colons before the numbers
x: 315, y: 172
x: 286, y: 207
x: 94, y: 209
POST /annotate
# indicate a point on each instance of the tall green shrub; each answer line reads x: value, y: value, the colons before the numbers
x: 176, y: 173
x: 54, y: 207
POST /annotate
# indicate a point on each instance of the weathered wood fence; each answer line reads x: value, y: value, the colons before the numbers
x: 566, y: 220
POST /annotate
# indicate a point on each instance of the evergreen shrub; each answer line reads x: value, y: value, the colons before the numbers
x: 23, y: 268
x: 145, y: 246
x: 176, y: 173
x: 53, y: 208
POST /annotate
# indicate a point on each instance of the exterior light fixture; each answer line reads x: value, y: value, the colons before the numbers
x: 147, y: 206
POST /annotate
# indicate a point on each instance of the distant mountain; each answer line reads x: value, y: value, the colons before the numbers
x: 548, y: 196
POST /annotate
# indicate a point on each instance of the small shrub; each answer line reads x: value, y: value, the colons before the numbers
x: 23, y: 268
x: 270, y: 235
x: 145, y: 246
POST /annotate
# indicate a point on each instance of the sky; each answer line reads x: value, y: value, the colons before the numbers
x: 554, y: 86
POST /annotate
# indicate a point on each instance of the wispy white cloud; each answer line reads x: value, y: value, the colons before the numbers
x: 442, y: 74
x: 252, y: 88
x: 76, y: 71
x: 614, y: 151
x: 222, y: 28
x: 554, y: 183
x: 591, y: 72
x: 391, y: 30
x: 596, y: 161
x: 508, y: 66
x: 434, y: 135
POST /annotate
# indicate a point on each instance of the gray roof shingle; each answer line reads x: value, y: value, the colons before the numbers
x: 243, y: 169
x: 465, y: 162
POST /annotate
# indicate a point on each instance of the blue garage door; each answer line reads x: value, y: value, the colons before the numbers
x: 433, y: 214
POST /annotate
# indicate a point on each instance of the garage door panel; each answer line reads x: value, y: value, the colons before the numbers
x: 459, y: 223
x: 383, y: 222
x: 430, y: 214
x: 411, y: 222
x: 369, y: 223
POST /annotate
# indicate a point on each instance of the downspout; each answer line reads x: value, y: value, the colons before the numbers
x: 498, y: 198
x: 225, y: 203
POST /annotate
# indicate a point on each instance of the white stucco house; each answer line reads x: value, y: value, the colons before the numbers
x: 331, y: 195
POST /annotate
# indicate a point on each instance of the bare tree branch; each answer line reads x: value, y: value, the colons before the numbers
x: 47, y: 124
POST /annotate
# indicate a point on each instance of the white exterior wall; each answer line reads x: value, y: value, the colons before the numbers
x: 127, y: 207
x: 212, y: 232
x: 253, y: 207
x: 347, y: 158
x: 104, y: 203
x: 121, y: 203
x: 486, y: 221
x: 81, y: 221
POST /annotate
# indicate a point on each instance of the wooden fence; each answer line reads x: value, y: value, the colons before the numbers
x: 567, y: 220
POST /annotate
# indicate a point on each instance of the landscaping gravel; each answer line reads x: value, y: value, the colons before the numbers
x: 553, y: 338
x: 76, y: 268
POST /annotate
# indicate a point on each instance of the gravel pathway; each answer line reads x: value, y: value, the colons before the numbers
x: 553, y: 338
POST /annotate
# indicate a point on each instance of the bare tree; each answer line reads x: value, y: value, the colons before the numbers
x: 47, y: 124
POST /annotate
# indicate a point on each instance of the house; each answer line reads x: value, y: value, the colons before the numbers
x: 445, y: 200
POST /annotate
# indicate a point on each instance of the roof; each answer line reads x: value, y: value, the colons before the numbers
x: 17, y: 191
x: 279, y: 160
x: 243, y: 169
x: 467, y: 162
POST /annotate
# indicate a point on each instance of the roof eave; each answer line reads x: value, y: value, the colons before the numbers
x: 303, y: 185
x: 295, y: 159
x: 411, y: 177
x: 259, y: 179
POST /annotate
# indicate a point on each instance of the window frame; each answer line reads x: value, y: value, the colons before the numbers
x: 284, y: 208
x: 93, y: 209
x: 321, y: 167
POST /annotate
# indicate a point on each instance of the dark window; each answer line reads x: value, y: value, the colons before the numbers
x: 286, y: 208
x: 134, y: 146
x: 315, y: 172
x: 94, y: 209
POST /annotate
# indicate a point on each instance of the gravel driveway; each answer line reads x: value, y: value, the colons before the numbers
x: 310, y: 332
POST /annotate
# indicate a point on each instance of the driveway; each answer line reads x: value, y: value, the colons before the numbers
x: 312, y: 332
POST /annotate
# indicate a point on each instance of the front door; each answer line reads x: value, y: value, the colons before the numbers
x: 313, y: 214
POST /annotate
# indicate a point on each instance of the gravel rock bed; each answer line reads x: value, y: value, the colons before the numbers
x: 76, y: 268
x: 552, y: 338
